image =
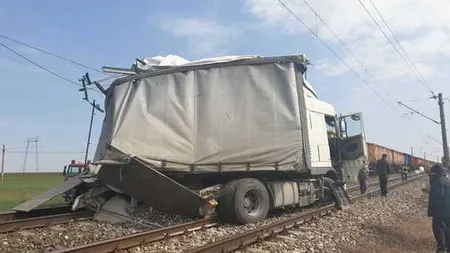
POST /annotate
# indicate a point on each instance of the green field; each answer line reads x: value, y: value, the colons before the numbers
x: 17, y: 188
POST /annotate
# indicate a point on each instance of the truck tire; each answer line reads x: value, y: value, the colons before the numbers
x: 247, y: 202
x: 328, y: 193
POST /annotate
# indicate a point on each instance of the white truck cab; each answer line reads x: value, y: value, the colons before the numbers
x: 337, y: 143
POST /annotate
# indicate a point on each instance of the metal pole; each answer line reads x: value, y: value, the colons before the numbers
x: 412, y: 153
x: 36, y: 143
x: 3, y: 161
x: 26, y: 155
x: 446, y: 159
x: 89, y: 134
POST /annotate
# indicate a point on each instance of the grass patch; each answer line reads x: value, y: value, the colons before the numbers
x: 17, y: 188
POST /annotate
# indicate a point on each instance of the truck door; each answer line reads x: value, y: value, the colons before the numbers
x: 353, y: 146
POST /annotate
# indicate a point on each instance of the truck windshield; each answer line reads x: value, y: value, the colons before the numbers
x: 71, y: 170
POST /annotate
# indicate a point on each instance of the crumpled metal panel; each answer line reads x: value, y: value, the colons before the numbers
x: 46, y: 196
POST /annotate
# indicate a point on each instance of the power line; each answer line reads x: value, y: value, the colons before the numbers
x: 421, y: 114
x: 48, y: 152
x: 338, y: 57
x: 40, y: 66
x: 422, y: 81
x: 52, y: 54
x: 418, y: 100
x: 347, y: 48
x: 334, y: 53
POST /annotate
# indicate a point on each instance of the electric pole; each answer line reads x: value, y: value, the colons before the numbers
x: 85, y: 80
x: 36, y: 145
x: 445, y: 159
x: 90, y: 131
x: 3, y: 160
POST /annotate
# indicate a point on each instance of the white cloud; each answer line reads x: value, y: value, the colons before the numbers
x: 205, y: 37
x: 421, y: 26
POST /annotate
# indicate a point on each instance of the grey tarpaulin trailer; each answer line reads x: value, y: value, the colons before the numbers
x: 177, y: 137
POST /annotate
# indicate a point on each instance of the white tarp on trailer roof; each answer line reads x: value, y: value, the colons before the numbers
x: 234, y: 112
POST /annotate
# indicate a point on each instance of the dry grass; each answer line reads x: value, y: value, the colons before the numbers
x: 408, y: 235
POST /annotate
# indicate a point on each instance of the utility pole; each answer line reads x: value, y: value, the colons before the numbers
x: 446, y: 159
x: 89, y: 133
x: 26, y: 155
x: 35, y: 141
x: 85, y: 80
x: 3, y: 160
x: 412, y: 151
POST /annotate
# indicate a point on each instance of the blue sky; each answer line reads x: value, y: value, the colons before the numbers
x: 114, y: 33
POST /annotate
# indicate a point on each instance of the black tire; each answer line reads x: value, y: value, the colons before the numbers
x: 328, y: 195
x: 248, y: 202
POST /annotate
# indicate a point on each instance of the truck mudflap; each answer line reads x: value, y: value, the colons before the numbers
x: 153, y: 188
x: 46, y: 196
x: 342, y: 199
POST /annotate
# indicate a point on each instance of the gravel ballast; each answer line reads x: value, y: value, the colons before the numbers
x: 334, y: 233
x: 369, y: 226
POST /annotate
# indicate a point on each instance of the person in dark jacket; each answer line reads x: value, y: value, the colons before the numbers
x: 439, y: 207
x: 382, y: 169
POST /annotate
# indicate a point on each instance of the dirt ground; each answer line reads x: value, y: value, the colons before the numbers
x: 409, y: 235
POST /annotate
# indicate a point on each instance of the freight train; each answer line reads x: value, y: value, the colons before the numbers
x: 397, y: 159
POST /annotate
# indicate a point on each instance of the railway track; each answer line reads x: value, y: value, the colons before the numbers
x: 14, y: 221
x: 226, y: 245
x: 12, y: 215
x: 242, y: 240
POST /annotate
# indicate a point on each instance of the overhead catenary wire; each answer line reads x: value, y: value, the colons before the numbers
x: 47, y: 152
x: 413, y: 69
x: 334, y: 53
x: 344, y: 45
x: 41, y: 66
x: 338, y: 57
x: 38, y: 65
x: 400, y: 45
x: 52, y: 54
x: 417, y: 100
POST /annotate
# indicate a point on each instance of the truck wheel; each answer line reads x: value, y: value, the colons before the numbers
x: 247, y: 202
x: 327, y: 192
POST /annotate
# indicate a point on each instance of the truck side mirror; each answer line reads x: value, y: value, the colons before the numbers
x: 64, y: 170
x: 356, y: 117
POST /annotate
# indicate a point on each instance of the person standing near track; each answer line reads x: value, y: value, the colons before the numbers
x: 404, y: 173
x: 363, y: 178
x: 382, y: 169
x: 439, y: 206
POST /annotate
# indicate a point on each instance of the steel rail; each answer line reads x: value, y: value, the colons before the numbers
x: 43, y: 221
x: 244, y: 239
x: 12, y: 215
x: 133, y: 240
x: 356, y: 187
x: 129, y: 241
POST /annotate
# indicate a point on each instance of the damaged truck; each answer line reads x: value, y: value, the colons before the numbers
x: 237, y: 136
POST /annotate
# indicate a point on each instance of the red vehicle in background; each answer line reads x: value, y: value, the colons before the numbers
x: 75, y: 168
